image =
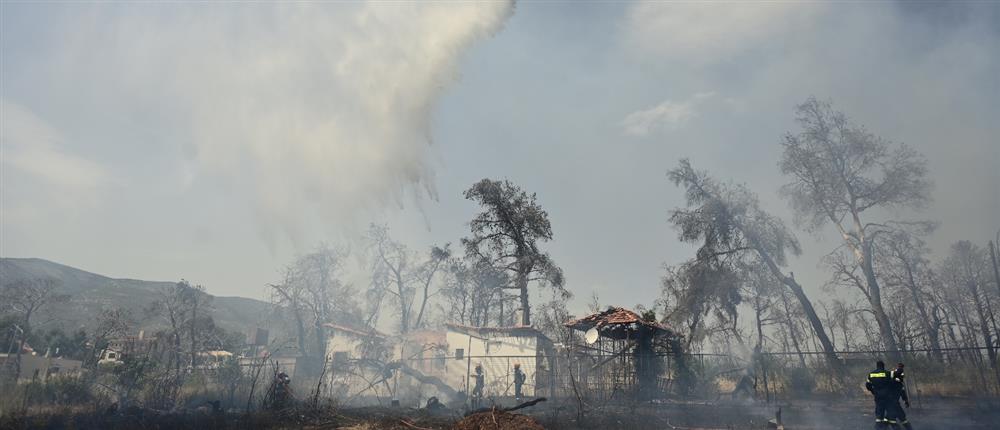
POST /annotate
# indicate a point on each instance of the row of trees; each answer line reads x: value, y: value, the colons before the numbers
x: 488, y: 283
x: 843, y: 177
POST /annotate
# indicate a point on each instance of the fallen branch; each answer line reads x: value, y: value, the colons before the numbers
x: 413, y: 426
x: 527, y: 404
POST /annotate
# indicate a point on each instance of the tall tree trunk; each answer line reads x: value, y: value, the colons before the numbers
x: 984, y: 324
x: 525, y: 266
x: 875, y: 299
x: 404, y: 311
x: 423, y: 305
x: 824, y: 340
x: 932, y: 330
x: 501, y: 314
x: 996, y: 267
x: 760, y: 325
x: 950, y: 331
x: 828, y: 349
x: 792, y: 332
x: 427, y: 286
x: 525, y: 309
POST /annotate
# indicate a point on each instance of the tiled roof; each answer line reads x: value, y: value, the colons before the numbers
x: 615, y: 319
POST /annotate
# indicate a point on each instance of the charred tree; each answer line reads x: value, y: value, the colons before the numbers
x: 839, y: 171
x: 507, y: 234
x: 727, y: 220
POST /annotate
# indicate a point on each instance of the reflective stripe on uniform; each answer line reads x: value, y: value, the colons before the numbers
x: 877, y: 375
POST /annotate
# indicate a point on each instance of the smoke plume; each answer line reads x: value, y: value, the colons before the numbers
x: 314, y: 113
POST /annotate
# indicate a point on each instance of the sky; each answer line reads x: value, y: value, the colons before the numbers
x: 216, y: 141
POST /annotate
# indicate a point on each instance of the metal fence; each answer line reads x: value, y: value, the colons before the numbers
x: 774, y: 375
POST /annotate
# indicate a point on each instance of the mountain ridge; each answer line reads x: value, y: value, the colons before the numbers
x: 91, y: 292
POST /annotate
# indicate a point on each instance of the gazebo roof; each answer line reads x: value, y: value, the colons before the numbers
x: 618, y: 323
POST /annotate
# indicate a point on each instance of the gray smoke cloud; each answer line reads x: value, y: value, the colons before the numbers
x: 315, y: 113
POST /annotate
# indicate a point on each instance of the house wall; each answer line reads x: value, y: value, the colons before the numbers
x: 343, y: 343
x: 347, y: 381
x: 497, y: 352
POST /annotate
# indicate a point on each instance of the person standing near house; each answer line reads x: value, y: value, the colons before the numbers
x: 519, y: 379
x: 477, y: 390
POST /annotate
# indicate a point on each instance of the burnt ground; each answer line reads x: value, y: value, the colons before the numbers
x: 938, y: 414
x: 952, y: 414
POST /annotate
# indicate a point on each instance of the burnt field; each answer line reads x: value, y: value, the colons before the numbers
x: 813, y: 414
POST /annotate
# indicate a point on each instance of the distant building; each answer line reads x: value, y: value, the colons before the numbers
x: 40, y: 368
x: 139, y: 345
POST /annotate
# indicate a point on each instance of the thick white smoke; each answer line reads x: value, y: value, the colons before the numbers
x: 333, y: 114
x: 315, y: 112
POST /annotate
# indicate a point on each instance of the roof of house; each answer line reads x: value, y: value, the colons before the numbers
x: 355, y: 331
x: 616, y: 322
x: 521, y: 330
x: 425, y: 337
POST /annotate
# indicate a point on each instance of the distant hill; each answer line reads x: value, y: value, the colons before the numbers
x: 90, y: 293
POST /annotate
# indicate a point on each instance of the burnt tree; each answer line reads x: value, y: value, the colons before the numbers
x: 839, y: 171
x: 726, y: 220
x: 507, y: 233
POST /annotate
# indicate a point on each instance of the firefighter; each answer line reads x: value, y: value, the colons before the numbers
x: 885, y: 391
x: 282, y: 390
x: 477, y: 390
x: 896, y: 414
x: 519, y: 379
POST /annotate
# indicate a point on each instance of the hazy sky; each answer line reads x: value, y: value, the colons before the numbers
x: 215, y: 141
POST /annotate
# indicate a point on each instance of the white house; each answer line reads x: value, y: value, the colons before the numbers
x: 497, y: 349
x: 365, y: 365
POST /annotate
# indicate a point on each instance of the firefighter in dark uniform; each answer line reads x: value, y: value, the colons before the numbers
x: 519, y: 378
x: 885, y: 391
x: 895, y: 413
